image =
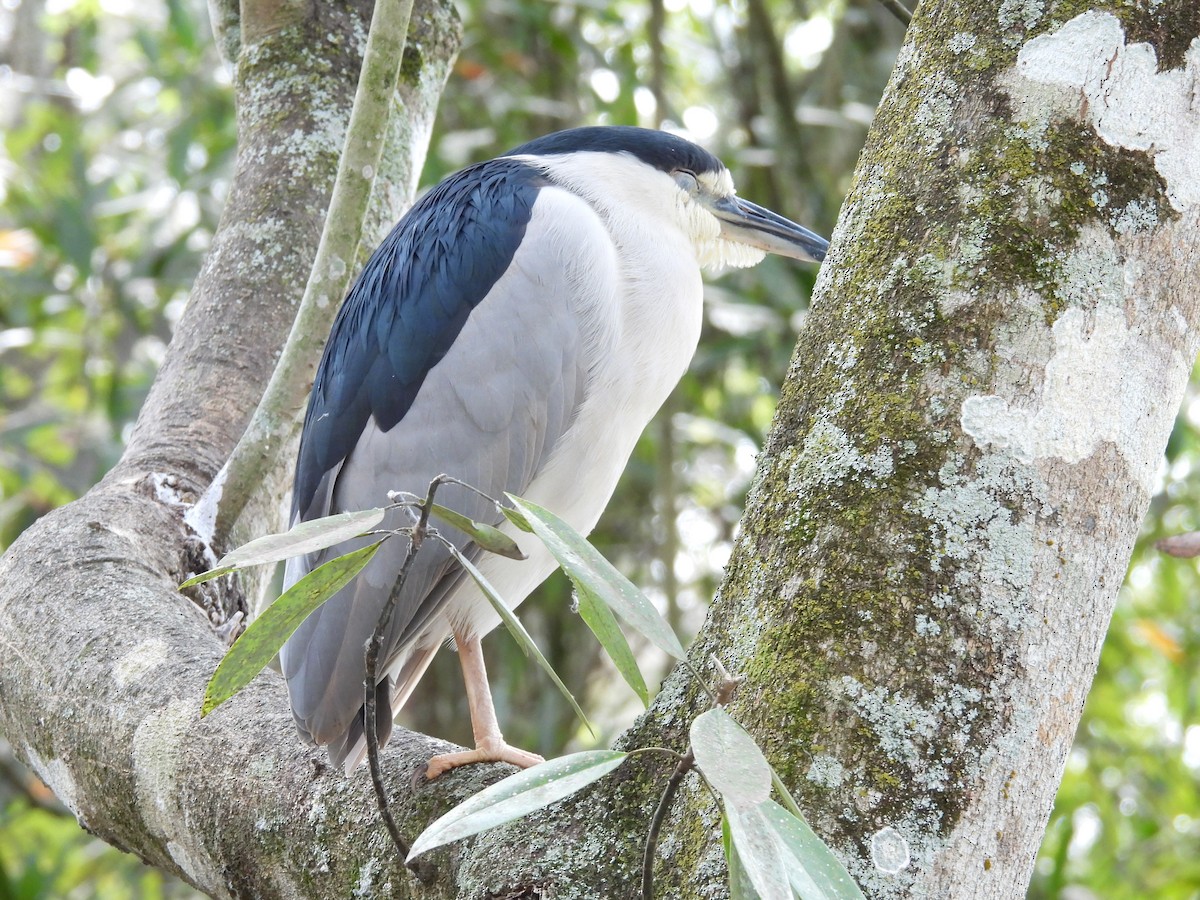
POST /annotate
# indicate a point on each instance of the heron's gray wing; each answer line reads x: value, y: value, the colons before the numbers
x: 488, y: 410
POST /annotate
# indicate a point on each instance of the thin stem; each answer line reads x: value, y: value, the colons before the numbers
x: 685, y: 765
x: 726, y: 685
x: 21, y: 782
x: 370, y: 715
x: 450, y: 479
x: 658, y: 59
x: 277, y: 415
x: 700, y: 681
x: 785, y: 795
x: 665, y: 751
x: 897, y: 9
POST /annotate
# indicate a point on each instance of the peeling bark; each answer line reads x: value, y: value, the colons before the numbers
x: 962, y: 455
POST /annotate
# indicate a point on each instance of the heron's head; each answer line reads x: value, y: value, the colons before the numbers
x: 661, y: 175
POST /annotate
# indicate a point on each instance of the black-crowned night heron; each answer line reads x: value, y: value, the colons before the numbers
x: 516, y: 330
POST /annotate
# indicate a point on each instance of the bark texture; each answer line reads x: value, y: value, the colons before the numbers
x: 963, y: 452
x: 969, y: 436
x: 105, y: 660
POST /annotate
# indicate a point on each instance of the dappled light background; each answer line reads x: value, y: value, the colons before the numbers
x: 118, y: 140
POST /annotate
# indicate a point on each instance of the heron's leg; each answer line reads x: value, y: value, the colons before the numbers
x: 489, y: 742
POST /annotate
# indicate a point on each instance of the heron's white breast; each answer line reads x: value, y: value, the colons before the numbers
x: 638, y: 292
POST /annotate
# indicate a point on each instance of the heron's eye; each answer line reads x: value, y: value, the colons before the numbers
x: 687, y: 181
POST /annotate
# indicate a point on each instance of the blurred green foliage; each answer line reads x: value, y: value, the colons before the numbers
x: 118, y: 137
x: 117, y: 149
x: 46, y: 856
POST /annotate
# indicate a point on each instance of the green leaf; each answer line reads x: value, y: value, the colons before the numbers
x: 815, y: 873
x: 759, y: 851
x: 517, y: 796
x: 730, y: 759
x: 599, y: 618
x: 266, y: 634
x: 517, y: 519
x: 589, y: 570
x: 517, y: 630
x: 306, y: 537
x: 207, y: 576
x: 740, y: 886
x: 488, y: 537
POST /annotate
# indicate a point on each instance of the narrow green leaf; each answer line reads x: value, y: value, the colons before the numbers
x: 207, y: 576
x: 517, y: 630
x: 599, y: 618
x: 730, y: 759
x: 814, y: 872
x: 585, y: 566
x: 517, y: 519
x: 740, y: 886
x: 306, y: 537
x: 490, y: 538
x: 266, y: 634
x: 759, y: 851
x: 517, y: 796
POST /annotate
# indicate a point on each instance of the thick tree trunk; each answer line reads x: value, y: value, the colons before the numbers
x: 963, y: 452
x: 969, y: 437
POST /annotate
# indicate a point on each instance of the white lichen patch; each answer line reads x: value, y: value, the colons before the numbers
x: 961, y: 42
x: 927, y: 627
x: 974, y: 531
x: 933, y: 114
x: 1081, y: 404
x: 1085, y: 69
x: 158, y: 750
x: 365, y: 888
x: 829, y: 457
x: 889, y: 850
x: 1135, y: 216
x: 826, y: 771
x: 1090, y: 274
x: 57, y: 776
x: 146, y: 656
x: 903, y: 727
x: 166, y: 489
x: 1019, y: 14
x: 201, y: 517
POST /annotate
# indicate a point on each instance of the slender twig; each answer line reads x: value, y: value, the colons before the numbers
x: 658, y: 59
x: 665, y: 751
x: 712, y: 696
x: 726, y: 685
x: 276, y: 416
x: 416, y: 535
x: 448, y: 479
x: 24, y: 785
x: 664, y: 803
x: 897, y: 9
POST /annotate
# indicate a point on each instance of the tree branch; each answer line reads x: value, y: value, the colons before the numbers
x: 108, y: 712
x: 923, y: 576
x: 276, y: 420
x: 897, y: 9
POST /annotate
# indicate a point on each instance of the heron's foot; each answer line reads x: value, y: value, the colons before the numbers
x: 487, y: 751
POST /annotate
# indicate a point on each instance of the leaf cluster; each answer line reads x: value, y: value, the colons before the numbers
x: 771, y: 851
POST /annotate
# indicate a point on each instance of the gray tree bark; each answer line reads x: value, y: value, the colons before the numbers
x: 964, y: 449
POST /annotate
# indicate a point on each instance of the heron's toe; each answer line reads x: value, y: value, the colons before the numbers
x: 489, y: 751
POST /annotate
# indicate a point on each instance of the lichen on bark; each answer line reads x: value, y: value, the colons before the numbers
x: 898, y: 576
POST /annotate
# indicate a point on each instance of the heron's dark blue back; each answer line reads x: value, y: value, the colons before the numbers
x: 407, y: 307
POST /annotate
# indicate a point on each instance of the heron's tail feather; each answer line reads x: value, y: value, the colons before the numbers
x: 350, y: 750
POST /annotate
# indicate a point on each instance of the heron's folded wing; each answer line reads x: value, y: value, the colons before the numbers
x: 485, y: 405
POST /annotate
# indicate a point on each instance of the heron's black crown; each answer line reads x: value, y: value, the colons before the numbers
x: 659, y: 149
